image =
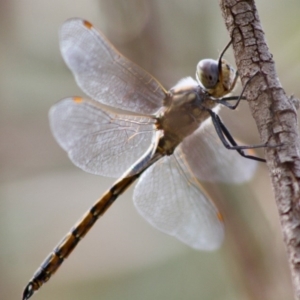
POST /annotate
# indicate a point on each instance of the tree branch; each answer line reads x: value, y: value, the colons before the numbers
x: 276, y: 119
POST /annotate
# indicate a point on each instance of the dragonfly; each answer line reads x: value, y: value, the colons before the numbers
x: 132, y: 128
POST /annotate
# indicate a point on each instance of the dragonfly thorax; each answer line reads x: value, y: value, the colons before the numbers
x: 185, y: 109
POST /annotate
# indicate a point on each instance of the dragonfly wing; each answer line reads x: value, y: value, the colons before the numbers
x: 211, y: 161
x: 170, y: 199
x: 97, y: 140
x: 104, y: 74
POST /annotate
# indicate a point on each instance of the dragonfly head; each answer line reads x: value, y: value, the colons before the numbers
x: 207, y: 73
x: 217, y: 77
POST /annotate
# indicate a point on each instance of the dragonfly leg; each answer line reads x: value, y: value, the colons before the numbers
x: 224, y: 100
x: 229, y: 142
x: 221, y: 56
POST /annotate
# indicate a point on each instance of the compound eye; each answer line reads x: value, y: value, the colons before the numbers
x: 207, y: 73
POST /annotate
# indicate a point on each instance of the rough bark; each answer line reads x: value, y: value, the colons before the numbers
x: 276, y: 118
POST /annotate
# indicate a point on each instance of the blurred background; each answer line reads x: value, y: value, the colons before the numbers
x: 43, y: 194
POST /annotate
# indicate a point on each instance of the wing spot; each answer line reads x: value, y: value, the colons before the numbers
x: 87, y: 24
x: 220, y: 217
x: 77, y: 99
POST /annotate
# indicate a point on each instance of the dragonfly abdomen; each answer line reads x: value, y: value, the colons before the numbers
x: 70, y: 241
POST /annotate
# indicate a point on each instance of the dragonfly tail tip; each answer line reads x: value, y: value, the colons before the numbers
x: 28, y: 291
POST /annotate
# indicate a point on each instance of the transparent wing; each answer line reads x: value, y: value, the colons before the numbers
x: 104, y: 74
x: 211, y: 161
x: 99, y: 141
x: 171, y: 200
